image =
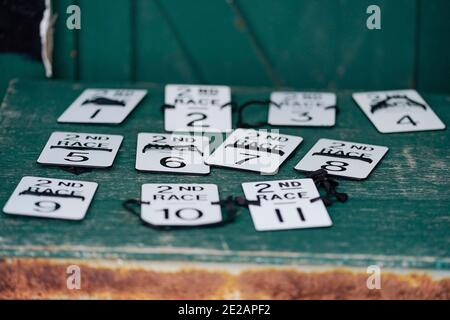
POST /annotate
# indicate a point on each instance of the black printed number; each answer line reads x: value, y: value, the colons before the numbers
x: 172, y: 162
x: 280, y: 216
x: 407, y: 120
x: 248, y: 158
x: 201, y: 116
x: 335, y: 166
x: 46, y: 206
x: 76, y: 157
x: 303, y: 117
x: 187, y: 214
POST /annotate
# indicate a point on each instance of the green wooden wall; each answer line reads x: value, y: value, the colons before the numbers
x: 311, y: 44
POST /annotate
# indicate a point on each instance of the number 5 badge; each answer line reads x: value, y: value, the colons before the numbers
x: 80, y: 149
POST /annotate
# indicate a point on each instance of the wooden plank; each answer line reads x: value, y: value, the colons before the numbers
x: 214, y: 38
x: 14, y: 66
x: 397, y: 218
x: 325, y: 44
x: 105, y: 45
x: 434, y: 48
x: 65, y: 54
x: 159, y: 56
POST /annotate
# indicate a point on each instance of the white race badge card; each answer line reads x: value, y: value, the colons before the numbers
x: 197, y: 108
x: 102, y: 106
x: 80, y: 149
x: 180, y: 204
x: 51, y: 198
x: 254, y: 150
x: 398, y: 111
x: 302, y: 109
x: 286, y: 204
x: 342, y: 158
x: 172, y: 153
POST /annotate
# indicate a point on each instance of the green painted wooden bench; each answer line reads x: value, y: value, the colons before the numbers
x: 399, y: 217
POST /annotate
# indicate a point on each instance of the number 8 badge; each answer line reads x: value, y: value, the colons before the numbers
x: 342, y: 158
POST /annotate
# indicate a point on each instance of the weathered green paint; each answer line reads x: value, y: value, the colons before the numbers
x: 294, y: 43
x: 399, y: 217
x: 433, y: 46
x: 105, y: 45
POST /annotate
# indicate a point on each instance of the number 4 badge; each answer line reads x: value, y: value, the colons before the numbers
x: 51, y: 198
x: 342, y: 158
x: 80, y: 149
x: 302, y: 109
x: 398, y: 111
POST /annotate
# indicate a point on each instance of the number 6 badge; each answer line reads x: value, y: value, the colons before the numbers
x: 80, y: 149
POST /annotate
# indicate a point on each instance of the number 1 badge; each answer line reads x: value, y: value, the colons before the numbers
x: 102, y: 106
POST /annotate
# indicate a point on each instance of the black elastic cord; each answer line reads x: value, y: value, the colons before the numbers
x: 322, y: 179
x: 242, y: 124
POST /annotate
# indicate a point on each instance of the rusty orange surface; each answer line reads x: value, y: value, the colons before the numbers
x: 46, y: 279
